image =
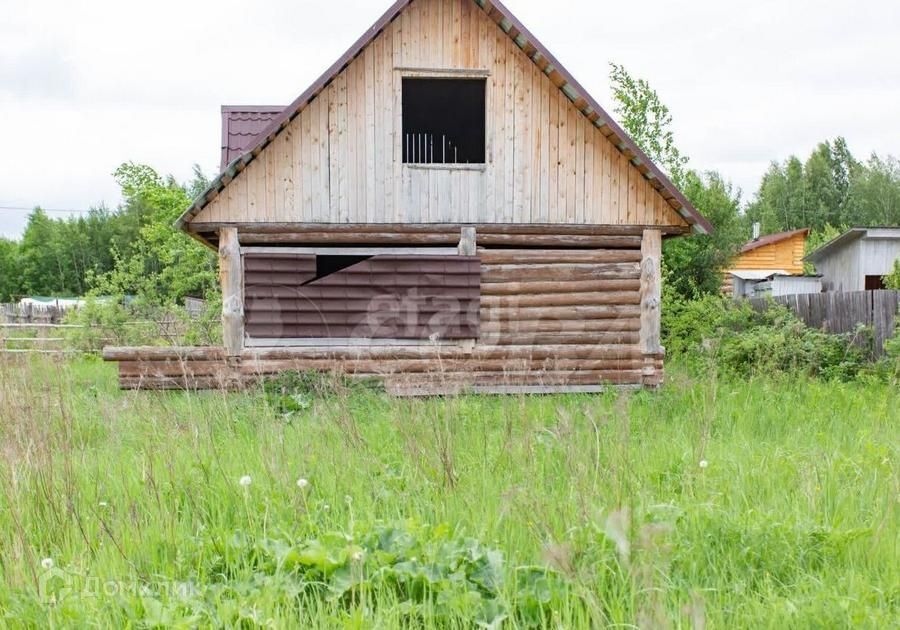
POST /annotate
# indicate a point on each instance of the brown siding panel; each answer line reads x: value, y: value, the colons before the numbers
x: 383, y: 297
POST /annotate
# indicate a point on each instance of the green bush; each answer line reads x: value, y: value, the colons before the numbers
x: 892, y: 280
x: 104, y: 322
x: 113, y: 321
x: 732, y: 336
x: 890, y: 364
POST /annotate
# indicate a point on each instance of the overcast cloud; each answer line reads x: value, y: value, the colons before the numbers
x: 86, y: 85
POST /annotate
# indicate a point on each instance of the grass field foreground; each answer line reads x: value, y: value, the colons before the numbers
x: 713, y: 503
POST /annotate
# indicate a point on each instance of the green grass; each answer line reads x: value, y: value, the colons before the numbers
x: 792, y: 524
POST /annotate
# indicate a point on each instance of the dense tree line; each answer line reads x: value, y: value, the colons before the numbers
x: 829, y: 192
x: 58, y: 256
x: 831, y: 188
x: 135, y: 251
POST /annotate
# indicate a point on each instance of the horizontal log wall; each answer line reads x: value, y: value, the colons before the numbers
x: 552, y: 319
x: 577, y: 309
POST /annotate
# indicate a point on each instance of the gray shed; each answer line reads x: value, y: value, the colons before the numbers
x: 857, y: 260
x: 749, y: 283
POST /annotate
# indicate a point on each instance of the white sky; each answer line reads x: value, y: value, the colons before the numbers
x: 86, y: 85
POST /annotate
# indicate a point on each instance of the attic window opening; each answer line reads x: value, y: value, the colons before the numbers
x: 444, y: 121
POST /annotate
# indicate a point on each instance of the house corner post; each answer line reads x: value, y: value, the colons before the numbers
x: 467, y: 241
x: 231, y: 278
x: 468, y: 246
x: 651, y: 304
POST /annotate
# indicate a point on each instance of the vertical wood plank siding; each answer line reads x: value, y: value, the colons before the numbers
x: 339, y: 161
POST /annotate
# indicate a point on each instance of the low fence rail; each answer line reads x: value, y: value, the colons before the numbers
x: 840, y: 313
x: 35, y: 338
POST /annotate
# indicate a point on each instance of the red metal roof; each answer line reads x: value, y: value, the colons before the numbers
x: 241, y: 127
x: 541, y: 57
x: 771, y: 239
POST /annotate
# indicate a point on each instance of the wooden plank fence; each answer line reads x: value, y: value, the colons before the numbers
x: 842, y: 312
x: 31, y: 314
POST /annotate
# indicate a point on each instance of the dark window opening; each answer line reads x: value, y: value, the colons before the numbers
x: 875, y: 283
x: 327, y: 265
x: 444, y: 121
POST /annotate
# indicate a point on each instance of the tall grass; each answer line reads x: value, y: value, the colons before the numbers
x: 713, y: 503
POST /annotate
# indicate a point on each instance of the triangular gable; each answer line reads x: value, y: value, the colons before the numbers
x: 534, y: 50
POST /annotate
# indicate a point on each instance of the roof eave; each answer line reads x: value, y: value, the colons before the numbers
x: 783, y: 236
x: 850, y: 235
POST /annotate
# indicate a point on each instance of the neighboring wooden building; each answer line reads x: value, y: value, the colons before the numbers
x: 764, y: 257
x: 755, y: 284
x: 446, y: 207
x: 857, y: 260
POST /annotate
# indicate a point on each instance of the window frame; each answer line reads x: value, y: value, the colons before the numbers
x: 444, y: 73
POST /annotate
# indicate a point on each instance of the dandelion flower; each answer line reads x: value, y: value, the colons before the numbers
x: 704, y: 463
x: 103, y: 504
x: 326, y: 507
x: 245, y: 481
x: 357, y: 556
x: 47, y: 563
x: 303, y: 484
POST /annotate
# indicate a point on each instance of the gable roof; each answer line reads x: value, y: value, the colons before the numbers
x: 539, y: 55
x: 849, y: 236
x: 771, y: 239
x: 242, y: 126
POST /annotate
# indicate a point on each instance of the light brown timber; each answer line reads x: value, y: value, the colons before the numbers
x: 231, y: 281
x: 427, y: 366
x: 632, y: 324
x: 543, y: 288
x: 651, y: 303
x: 484, y: 229
x: 562, y: 299
x: 549, y: 256
x: 518, y: 273
x: 651, y: 292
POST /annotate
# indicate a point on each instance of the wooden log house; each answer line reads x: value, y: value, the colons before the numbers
x: 445, y: 208
x: 774, y: 253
